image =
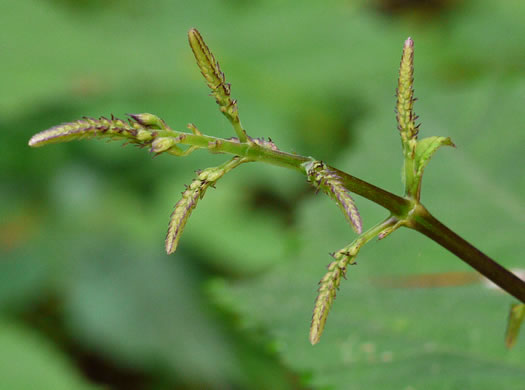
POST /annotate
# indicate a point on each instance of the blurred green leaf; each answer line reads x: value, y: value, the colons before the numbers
x: 146, y: 311
x: 29, y: 361
x: 516, y: 317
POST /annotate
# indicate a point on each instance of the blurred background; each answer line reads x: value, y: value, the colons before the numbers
x: 88, y: 298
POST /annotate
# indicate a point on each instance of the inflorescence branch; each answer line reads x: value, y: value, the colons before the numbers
x: 150, y: 132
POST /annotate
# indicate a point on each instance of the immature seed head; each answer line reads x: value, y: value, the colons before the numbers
x: 161, y: 144
x: 149, y: 120
x: 405, y: 94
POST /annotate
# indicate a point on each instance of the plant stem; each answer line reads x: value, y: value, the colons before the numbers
x: 415, y: 215
x: 411, y: 190
x: 425, y: 223
x: 397, y: 205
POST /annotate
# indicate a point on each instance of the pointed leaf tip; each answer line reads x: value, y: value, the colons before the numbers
x: 409, y: 42
x: 516, y: 318
x: 425, y: 149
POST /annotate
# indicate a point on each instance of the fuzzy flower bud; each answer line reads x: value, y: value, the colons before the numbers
x: 149, y: 120
x: 405, y: 94
x: 323, y: 178
x: 216, y: 81
x: 328, y: 287
x: 191, y: 196
x: 161, y: 144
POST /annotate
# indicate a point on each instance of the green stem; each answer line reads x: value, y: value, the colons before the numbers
x: 409, y: 173
x: 425, y: 223
x: 239, y: 130
x: 248, y: 149
x: 415, y: 214
x: 408, y: 211
x: 373, y: 232
x: 397, y: 205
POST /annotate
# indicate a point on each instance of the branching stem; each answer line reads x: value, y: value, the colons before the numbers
x: 149, y: 131
x: 414, y: 214
x: 395, y: 204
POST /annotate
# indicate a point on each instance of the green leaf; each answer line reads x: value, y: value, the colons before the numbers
x: 144, y: 309
x: 31, y: 362
x: 516, y: 317
x: 425, y: 149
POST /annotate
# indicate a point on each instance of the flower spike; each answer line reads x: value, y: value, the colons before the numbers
x: 195, y: 191
x: 215, y: 79
x: 323, y: 178
x: 406, y: 118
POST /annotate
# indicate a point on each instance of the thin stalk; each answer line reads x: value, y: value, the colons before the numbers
x: 397, y: 205
x: 409, y: 174
x: 417, y: 217
x: 407, y: 210
x: 249, y: 149
x: 425, y: 223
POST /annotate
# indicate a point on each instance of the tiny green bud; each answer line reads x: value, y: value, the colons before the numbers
x: 149, y: 120
x: 161, y: 144
x: 214, y: 175
x: 144, y: 135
